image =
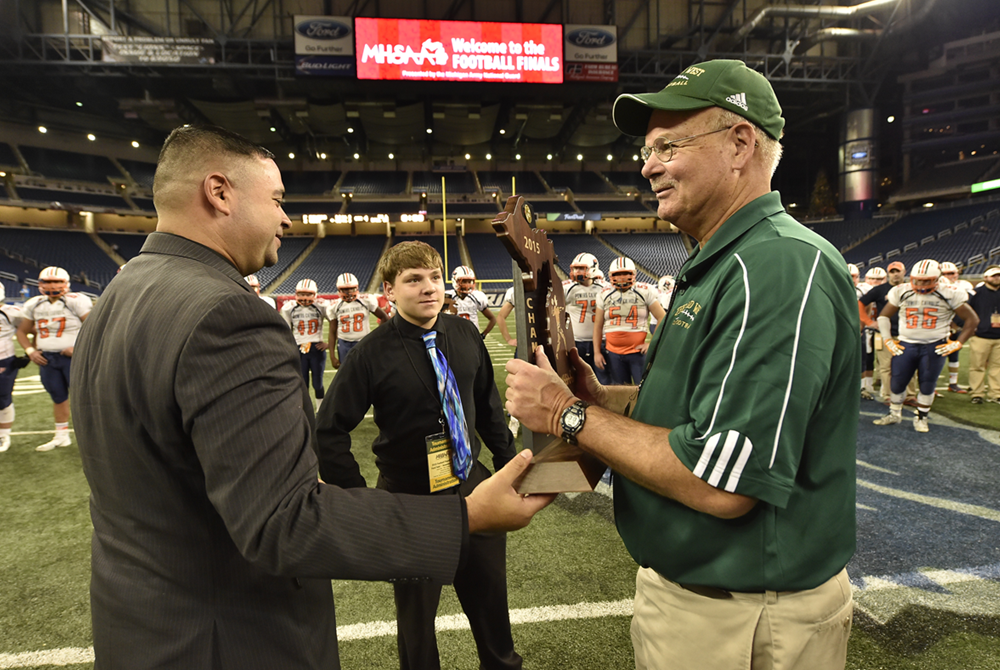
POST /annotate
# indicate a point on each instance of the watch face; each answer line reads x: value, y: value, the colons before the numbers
x: 573, y: 419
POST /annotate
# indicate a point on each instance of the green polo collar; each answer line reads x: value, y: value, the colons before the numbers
x: 735, y: 227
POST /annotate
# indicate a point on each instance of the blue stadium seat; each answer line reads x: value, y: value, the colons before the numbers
x: 69, y: 249
x: 141, y: 172
x: 661, y: 253
x: 578, y: 182
x: 47, y: 196
x: 291, y: 248
x: 526, y: 182
x: 127, y: 245
x: 334, y: 255
x: 58, y: 164
x: 385, y: 182
x: 454, y: 182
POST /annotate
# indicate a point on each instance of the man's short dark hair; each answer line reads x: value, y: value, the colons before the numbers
x: 188, y: 145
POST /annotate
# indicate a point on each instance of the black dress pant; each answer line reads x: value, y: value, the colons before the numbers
x: 481, y: 587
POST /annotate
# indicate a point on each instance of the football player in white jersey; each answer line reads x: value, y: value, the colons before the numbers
x: 925, y: 310
x: 621, y: 317
x: 582, y: 296
x: 466, y: 301
x: 873, y: 278
x: 305, y: 317
x: 950, y: 272
x: 506, y: 307
x: 665, y: 286
x: 349, y: 322
x: 55, y: 317
x: 255, y: 285
x: 10, y: 318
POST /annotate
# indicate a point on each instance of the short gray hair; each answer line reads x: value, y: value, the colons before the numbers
x: 768, y: 147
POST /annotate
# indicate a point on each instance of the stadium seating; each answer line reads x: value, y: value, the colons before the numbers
x: 843, y: 233
x: 490, y: 260
x: 578, y: 182
x: 309, y: 183
x: 47, y: 196
x: 454, y: 182
x: 374, y: 183
x: 543, y: 207
x: 145, y: 204
x: 614, y: 207
x: 949, y: 177
x: 69, y: 249
x: 661, y: 253
x: 631, y: 180
x: 299, y: 207
x: 291, y: 248
x: 917, y: 229
x: 382, y: 207
x: 568, y: 245
x: 7, y: 157
x: 527, y: 183
x: 332, y: 256
x: 463, y: 209
x: 141, y: 172
x: 125, y: 245
x: 58, y: 164
x: 27, y: 273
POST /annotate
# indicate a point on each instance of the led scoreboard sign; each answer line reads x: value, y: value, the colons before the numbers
x: 418, y: 50
x: 319, y: 219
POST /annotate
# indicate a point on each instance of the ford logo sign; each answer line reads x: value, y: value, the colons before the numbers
x: 590, y: 38
x: 323, y: 29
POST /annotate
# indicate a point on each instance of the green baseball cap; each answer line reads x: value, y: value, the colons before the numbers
x: 728, y: 84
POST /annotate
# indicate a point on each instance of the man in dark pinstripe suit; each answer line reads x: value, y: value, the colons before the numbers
x: 214, y: 542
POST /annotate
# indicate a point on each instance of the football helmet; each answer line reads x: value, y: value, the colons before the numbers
x: 948, y: 268
x: 347, y: 286
x: 855, y: 272
x: 926, y: 273
x: 599, y: 275
x: 622, y: 273
x: 666, y: 284
x: 305, y: 292
x: 53, y: 282
x: 254, y: 283
x: 463, y: 279
x: 583, y: 267
x: 875, y: 276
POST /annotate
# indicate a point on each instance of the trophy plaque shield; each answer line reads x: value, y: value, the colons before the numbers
x: 541, y: 319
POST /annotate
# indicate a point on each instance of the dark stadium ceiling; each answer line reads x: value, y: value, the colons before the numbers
x: 821, y: 57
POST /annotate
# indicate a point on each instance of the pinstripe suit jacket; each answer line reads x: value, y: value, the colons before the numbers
x: 213, y: 542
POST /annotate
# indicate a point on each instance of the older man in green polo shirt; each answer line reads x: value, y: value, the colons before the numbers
x: 735, y: 483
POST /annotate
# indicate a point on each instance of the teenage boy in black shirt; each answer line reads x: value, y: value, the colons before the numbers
x: 390, y: 371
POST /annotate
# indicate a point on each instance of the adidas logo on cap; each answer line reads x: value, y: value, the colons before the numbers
x: 738, y: 99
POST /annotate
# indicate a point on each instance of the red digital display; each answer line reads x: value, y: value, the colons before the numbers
x: 411, y: 49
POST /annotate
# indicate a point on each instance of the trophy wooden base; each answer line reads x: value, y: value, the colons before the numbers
x: 560, y: 468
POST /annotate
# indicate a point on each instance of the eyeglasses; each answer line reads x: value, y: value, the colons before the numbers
x: 664, y: 148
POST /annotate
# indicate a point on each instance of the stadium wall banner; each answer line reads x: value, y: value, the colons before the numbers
x: 324, y: 46
x: 423, y: 50
x: 157, y: 50
x: 573, y: 216
x: 591, y: 53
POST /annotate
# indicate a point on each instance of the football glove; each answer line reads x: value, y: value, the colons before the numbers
x: 895, y: 347
x: 949, y: 347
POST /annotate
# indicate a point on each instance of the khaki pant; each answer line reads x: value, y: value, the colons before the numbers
x: 676, y: 627
x: 984, y: 363
x: 885, y: 371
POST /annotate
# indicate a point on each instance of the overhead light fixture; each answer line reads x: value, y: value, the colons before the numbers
x: 322, y: 156
x: 79, y: 104
x: 489, y: 157
x: 43, y: 129
x: 548, y: 157
x: 928, y: 205
x: 635, y: 157
x: 430, y: 131
x: 610, y: 157
x: 135, y: 144
x: 273, y: 129
x: 291, y: 154
x: 890, y: 119
x: 579, y: 157
x: 91, y: 136
x: 357, y: 156
x: 503, y: 132
x: 518, y: 157
x: 350, y: 129
x: 467, y: 156
x: 391, y: 156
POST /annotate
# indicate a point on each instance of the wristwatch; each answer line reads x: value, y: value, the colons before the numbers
x: 572, y: 420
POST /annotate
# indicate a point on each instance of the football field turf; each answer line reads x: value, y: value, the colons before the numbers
x: 926, y: 573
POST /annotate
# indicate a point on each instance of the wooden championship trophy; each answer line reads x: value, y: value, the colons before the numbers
x: 541, y: 319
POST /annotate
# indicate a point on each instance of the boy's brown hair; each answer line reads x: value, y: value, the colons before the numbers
x: 406, y: 256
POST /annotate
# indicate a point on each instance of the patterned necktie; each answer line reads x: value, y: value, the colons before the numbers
x: 452, y: 403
